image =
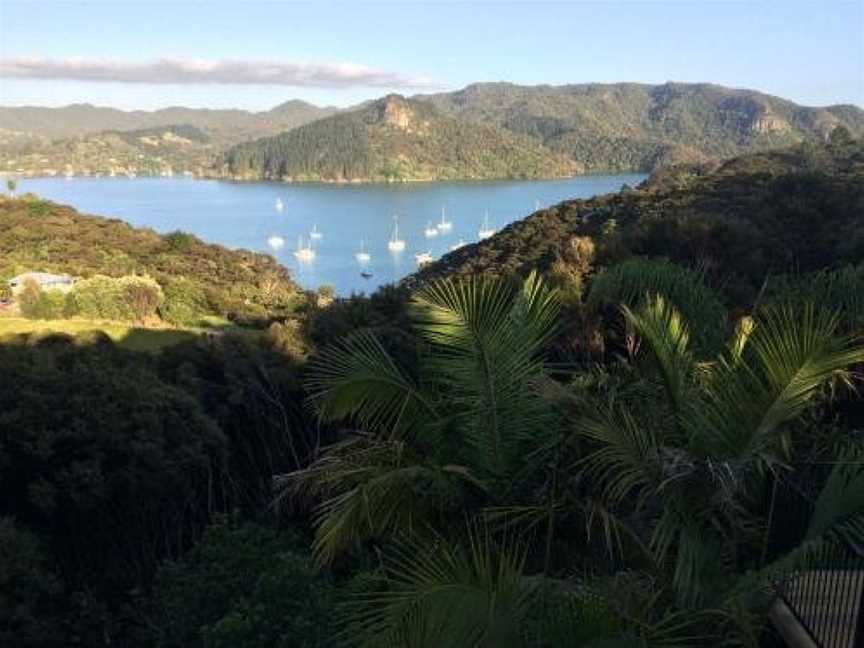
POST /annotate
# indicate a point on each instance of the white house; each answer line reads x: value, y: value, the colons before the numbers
x: 45, y: 280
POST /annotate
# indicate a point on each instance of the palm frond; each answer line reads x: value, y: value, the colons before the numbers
x: 357, y: 378
x: 486, y: 344
x: 791, y: 356
x: 373, y: 489
x: 661, y: 327
x: 440, y: 593
x: 629, y: 282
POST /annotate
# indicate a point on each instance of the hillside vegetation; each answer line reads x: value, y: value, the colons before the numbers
x: 37, y: 235
x: 395, y: 139
x: 630, y: 126
x: 799, y: 209
x: 86, y: 140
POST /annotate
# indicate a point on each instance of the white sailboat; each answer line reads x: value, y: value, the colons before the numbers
x: 362, y: 256
x: 485, y: 231
x: 279, y: 204
x: 315, y: 234
x: 395, y: 244
x: 431, y: 230
x: 444, y: 225
x: 423, y: 258
x: 456, y: 246
x: 304, y: 253
x: 276, y: 242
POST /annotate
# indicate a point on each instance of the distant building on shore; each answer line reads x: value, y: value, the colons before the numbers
x: 45, y: 280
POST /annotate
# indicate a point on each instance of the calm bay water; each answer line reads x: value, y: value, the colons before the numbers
x: 244, y: 215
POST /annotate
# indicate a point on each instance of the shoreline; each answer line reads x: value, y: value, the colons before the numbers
x: 354, y: 182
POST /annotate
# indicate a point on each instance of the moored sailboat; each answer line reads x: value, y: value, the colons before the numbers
x: 395, y: 244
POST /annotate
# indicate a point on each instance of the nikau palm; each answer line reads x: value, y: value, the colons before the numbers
x: 670, y: 467
x: 726, y: 428
x: 457, y: 431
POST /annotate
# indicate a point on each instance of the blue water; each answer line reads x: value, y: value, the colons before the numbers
x: 244, y: 215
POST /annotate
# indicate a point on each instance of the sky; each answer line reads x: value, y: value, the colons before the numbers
x: 135, y: 54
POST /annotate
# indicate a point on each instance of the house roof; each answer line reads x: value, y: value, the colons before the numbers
x: 42, y: 278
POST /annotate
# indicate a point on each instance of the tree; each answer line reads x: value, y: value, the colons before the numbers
x: 11, y: 185
x: 457, y: 429
x: 691, y: 452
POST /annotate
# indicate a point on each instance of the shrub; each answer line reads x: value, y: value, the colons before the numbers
x: 99, y: 297
x: 29, y: 590
x: 179, y: 241
x: 28, y: 298
x: 36, y: 303
x: 244, y: 585
x: 185, y: 303
x: 5, y: 291
x: 143, y: 296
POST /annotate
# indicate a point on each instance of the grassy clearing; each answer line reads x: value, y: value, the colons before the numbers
x: 129, y: 337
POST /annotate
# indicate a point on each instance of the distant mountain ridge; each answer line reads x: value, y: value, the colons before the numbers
x: 229, y: 125
x: 395, y: 138
x: 485, y: 130
x: 640, y: 127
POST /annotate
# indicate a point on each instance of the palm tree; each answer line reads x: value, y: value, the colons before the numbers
x: 695, y: 449
x: 443, y: 439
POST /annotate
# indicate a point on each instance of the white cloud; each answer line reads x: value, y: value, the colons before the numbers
x: 195, y: 71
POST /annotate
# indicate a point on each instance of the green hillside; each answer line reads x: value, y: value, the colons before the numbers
x: 395, y: 139
x: 629, y: 126
x: 798, y: 209
x: 37, y: 235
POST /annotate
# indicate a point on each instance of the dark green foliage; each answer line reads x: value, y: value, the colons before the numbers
x: 394, y: 139
x: 243, y: 586
x: 841, y: 291
x: 31, y: 604
x: 632, y: 282
x: 792, y: 210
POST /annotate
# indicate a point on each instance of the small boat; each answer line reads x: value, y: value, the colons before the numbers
x: 395, y: 244
x: 485, y: 230
x: 456, y: 246
x: 444, y: 225
x: 304, y: 253
x: 362, y: 256
x: 366, y: 275
x: 276, y: 242
x: 279, y: 204
x: 423, y: 258
x: 430, y: 230
x: 315, y: 234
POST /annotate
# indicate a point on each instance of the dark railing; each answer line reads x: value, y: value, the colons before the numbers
x: 826, y: 593
x: 826, y: 596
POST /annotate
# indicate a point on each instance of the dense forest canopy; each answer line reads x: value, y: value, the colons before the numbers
x: 395, y: 139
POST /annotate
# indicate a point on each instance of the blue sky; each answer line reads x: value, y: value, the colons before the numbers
x: 808, y: 51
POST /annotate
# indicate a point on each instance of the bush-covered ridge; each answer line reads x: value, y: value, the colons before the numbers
x: 395, y: 139
x: 37, y: 235
x: 799, y: 209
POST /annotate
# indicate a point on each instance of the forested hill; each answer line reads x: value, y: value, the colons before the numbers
x: 227, y: 125
x: 629, y: 126
x: 37, y: 235
x: 395, y: 139
x: 798, y: 209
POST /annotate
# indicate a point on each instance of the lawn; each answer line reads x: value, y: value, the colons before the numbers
x: 129, y: 337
